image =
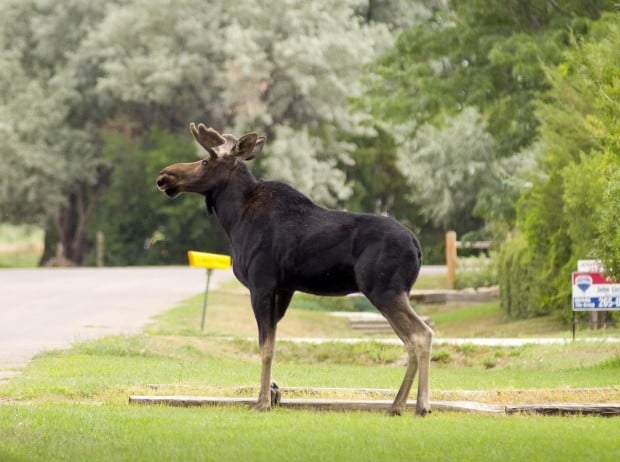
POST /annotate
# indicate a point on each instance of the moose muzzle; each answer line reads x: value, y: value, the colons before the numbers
x: 168, y: 184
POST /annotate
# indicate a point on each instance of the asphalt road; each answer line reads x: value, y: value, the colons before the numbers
x: 48, y: 308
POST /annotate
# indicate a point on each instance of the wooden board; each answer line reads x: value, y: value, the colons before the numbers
x: 603, y: 409
x: 314, y: 404
x: 374, y: 405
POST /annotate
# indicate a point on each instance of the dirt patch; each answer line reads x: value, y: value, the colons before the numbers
x: 533, y: 396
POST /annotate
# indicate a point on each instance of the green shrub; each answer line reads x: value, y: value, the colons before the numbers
x: 517, y: 278
x: 476, y: 272
x: 611, y: 363
x: 316, y: 303
x: 441, y: 356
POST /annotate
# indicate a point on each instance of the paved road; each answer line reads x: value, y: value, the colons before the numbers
x: 47, y: 308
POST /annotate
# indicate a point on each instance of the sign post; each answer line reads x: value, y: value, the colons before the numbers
x: 210, y: 261
x: 593, y: 292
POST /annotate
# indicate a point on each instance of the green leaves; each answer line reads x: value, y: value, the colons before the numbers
x: 447, y: 167
x: 571, y: 212
x: 72, y: 72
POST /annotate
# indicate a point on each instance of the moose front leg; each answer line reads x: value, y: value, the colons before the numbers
x: 266, y: 350
x: 263, y: 306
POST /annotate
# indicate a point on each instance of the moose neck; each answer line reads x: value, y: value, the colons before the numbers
x: 229, y: 199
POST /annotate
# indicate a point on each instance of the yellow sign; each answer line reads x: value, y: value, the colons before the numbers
x: 208, y: 260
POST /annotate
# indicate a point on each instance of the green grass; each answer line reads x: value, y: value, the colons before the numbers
x: 489, y: 320
x: 466, y: 313
x: 118, y: 433
x: 431, y: 282
x: 20, y: 246
x: 109, y: 369
x: 317, y: 303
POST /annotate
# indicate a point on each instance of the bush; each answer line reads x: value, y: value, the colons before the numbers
x: 517, y: 278
x: 142, y: 226
x: 476, y: 272
x: 318, y: 303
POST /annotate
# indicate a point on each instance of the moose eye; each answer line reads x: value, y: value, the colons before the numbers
x: 205, y: 163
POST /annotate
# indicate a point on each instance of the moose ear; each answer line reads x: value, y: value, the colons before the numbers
x: 258, y: 148
x: 245, y: 146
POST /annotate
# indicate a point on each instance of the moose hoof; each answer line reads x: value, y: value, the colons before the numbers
x: 276, y: 395
x: 262, y: 407
x: 422, y: 411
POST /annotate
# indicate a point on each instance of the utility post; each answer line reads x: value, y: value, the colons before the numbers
x: 451, y: 258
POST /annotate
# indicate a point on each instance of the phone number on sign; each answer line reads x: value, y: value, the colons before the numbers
x: 596, y: 302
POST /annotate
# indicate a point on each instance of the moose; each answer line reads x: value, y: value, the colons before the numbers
x: 283, y: 242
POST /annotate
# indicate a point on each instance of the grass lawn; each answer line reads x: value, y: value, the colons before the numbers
x: 72, y: 404
x: 111, y: 433
x: 20, y: 246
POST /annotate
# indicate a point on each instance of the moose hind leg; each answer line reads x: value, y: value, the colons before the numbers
x: 417, y: 337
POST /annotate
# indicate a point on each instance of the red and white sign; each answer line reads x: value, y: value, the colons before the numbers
x: 593, y: 292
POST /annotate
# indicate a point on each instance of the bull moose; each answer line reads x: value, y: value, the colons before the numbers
x: 283, y: 242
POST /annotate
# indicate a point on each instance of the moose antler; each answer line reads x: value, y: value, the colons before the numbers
x: 208, y: 138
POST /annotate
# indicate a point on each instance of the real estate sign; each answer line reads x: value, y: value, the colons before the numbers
x: 593, y: 292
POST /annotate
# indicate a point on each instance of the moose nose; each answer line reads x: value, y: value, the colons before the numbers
x: 162, y: 180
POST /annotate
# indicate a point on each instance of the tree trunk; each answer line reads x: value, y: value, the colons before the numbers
x: 70, y: 225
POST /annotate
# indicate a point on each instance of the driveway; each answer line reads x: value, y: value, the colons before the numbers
x: 47, y: 308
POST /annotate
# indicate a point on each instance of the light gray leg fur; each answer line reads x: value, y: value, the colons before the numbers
x: 267, y: 353
x: 417, y: 337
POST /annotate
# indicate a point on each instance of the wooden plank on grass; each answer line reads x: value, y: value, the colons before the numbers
x: 603, y: 409
x: 315, y: 404
x: 471, y: 407
x: 190, y: 401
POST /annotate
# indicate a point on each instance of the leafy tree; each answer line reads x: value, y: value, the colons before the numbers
x: 320, y: 179
x: 446, y: 167
x: 571, y: 210
x: 485, y: 55
x: 157, y: 62
x: 292, y: 74
x: 49, y: 117
x: 140, y: 226
x: 72, y: 71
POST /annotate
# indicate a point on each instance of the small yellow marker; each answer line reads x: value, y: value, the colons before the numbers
x: 210, y: 261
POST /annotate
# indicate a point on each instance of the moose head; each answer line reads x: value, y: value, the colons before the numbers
x: 203, y: 176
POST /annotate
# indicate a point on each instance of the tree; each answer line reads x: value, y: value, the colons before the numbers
x: 43, y: 106
x: 485, y: 55
x: 74, y: 72
x: 571, y: 210
x: 142, y: 227
x: 447, y: 167
x: 320, y: 179
x: 292, y: 74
